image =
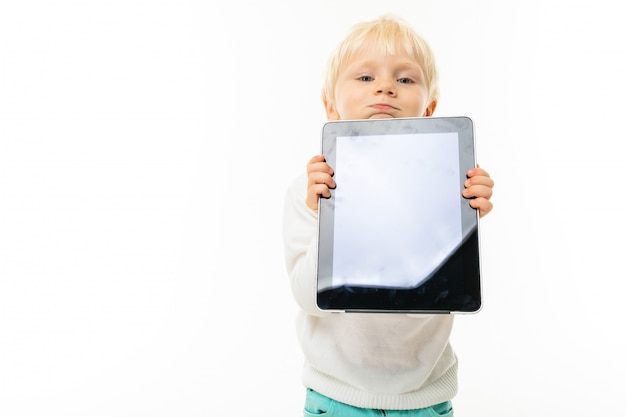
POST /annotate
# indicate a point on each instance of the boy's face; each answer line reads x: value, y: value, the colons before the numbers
x: 373, y: 86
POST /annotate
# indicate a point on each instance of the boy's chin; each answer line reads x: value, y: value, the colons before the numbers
x: 381, y: 116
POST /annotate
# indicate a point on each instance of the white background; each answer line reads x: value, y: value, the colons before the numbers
x: 145, y: 147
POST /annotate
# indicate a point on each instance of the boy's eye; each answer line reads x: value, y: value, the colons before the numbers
x: 405, y: 81
x: 366, y: 78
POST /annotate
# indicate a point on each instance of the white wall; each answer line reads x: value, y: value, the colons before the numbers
x: 144, y: 151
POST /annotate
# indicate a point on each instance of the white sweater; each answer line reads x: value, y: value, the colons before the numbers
x: 382, y: 361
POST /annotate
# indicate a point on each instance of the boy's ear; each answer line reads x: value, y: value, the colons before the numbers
x: 430, y: 109
x: 331, y: 112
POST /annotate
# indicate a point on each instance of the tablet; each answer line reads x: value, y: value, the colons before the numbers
x: 396, y: 235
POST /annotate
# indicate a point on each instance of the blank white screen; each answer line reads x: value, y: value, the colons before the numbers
x: 397, y: 209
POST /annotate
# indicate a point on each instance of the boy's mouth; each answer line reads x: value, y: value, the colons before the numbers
x: 383, y: 106
x: 382, y: 110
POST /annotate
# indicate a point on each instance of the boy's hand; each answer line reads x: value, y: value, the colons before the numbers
x: 479, y: 187
x: 320, y: 181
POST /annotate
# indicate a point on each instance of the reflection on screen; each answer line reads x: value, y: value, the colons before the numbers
x: 397, y: 208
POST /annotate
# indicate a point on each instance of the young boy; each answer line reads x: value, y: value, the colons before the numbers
x: 371, y: 364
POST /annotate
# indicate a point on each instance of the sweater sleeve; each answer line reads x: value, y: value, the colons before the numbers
x: 300, y: 244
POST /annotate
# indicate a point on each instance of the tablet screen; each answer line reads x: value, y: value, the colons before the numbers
x: 392, y: 233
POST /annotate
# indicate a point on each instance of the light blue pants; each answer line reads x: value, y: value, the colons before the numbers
x: 317, y: 404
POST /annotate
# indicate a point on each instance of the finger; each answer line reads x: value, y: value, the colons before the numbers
x: 479, y: 180
x: 321, y: 190
x: 478, y: 191
x: 316, y: 191
x: 322, y: 167
x: 317, y: 158
x: 318, y: 163
x: 321, y: 178
x: 483, y: 205
x: 478, y: 171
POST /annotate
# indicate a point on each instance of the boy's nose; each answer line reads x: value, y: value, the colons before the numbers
x: 386, y: 87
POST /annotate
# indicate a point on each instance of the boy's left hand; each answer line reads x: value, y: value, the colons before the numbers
x: 479, y: 188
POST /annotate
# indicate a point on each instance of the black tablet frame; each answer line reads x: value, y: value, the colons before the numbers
x: 455, y: 285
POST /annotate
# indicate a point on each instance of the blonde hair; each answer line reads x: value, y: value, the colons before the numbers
x: 386, y: 33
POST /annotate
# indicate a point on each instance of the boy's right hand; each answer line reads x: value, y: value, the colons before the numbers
x: 320, y: 182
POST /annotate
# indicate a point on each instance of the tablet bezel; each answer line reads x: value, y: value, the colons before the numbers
x: 436, y: 294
